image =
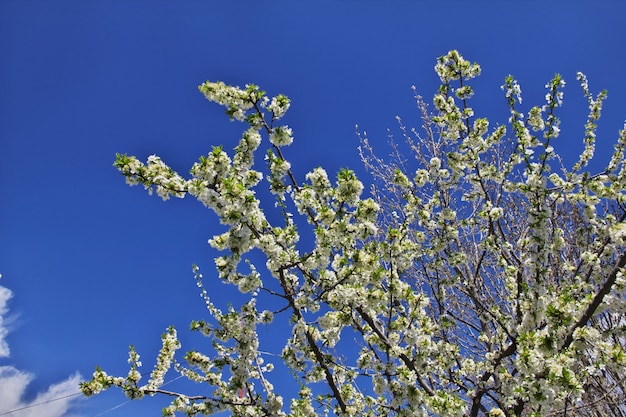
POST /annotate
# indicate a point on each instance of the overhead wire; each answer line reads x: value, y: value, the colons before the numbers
x: 4, y: 413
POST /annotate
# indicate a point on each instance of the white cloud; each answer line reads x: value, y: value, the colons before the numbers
x: 5, y: 294
x: 55, y: 401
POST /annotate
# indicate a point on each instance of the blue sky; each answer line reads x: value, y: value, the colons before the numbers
x: 94, y: 265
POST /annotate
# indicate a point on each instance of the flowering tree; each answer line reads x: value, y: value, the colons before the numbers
x: 486, y: 280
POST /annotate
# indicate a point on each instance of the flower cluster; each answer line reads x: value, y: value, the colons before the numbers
x: 476, y: 282
x: 281, y: 136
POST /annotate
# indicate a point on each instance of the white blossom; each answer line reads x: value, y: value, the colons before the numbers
x: 473, y: 280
